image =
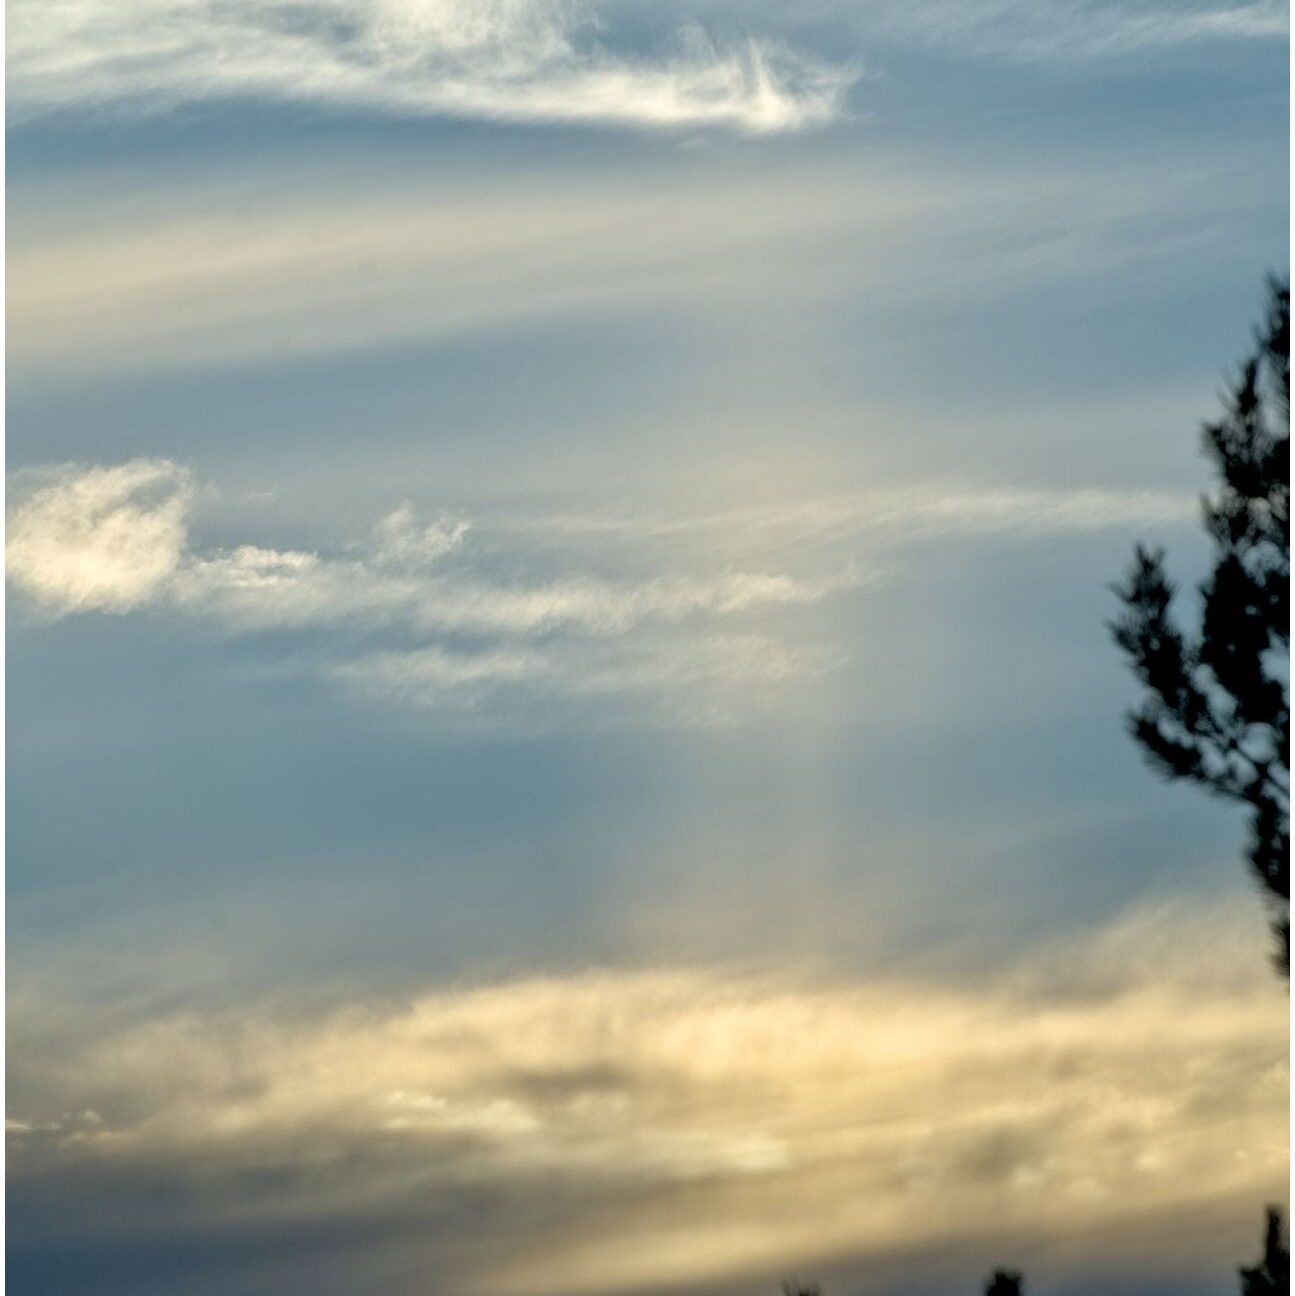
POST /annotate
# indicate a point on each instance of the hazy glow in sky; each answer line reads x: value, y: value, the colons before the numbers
x: 562, y: 738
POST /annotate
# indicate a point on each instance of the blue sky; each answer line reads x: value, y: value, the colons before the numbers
x: 561, y: 732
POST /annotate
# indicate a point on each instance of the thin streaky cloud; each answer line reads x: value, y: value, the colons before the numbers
x: 1071, y: 31
x: 115, y: 539
x: 900, y: 515
x: 690, y: 642
x: 250, y: 589
x: 220, y: 274
x: 508, y: 60
x: 546, y: 60
x: 705, y: 680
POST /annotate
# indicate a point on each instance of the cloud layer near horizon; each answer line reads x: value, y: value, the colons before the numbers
x: 1137, y: 1071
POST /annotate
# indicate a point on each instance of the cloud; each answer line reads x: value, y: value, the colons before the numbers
x: 903, y: 515
x: 411, y: 614
x: 703, y: 680
x: 631, y: 1129
x: 111, y: 539
x: 208, y: 276
x: 250, y: 589
x: 1073, y: 31
x: 403, y: 542
x: 115, y: 539
x: 546, y: 60
x: 107, y: 539
x: 217, y: 270
x: 508, y: 60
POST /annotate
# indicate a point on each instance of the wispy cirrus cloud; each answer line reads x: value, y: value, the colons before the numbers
x: 114, y: 539
x: 897, y: 515
x: 114, y: 277
x: 412, y: 614
x: 551, y: 60
x: 706, y: 678
x: 1066, y: 31
x: 509, y: 60
x: 1076, y: 32
x: 628, y: 1128
x: 109, y: 539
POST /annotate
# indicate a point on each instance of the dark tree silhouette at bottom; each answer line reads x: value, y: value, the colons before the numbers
x: 1272, y: 1275
x: 1005, y: 1282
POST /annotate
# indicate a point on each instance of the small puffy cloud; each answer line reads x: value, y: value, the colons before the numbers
x: 401, y: 540
x: 98, y: 539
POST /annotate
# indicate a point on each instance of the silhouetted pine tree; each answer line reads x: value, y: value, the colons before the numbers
x: 1272, y: 1276
x: 1217, y: 708
x: 1005, y: 1283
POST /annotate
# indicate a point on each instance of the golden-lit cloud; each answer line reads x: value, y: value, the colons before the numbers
x: 639, y: 1127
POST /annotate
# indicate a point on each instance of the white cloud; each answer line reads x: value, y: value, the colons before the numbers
x: 704, y: 1123
x: 548, y: 60
x: 430, y: 622
x: 118, y: 538
x: 512, y: 60
x: 252, y: 589
x: 902, y: 515
x: 400, y: 540
x: 98, y: 539
x: 704, y: 679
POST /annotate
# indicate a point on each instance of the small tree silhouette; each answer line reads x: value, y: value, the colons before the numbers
x: 1005, y: 1282
x: 1217, y: 709
x: 1272, y: 1275
x: 794, y: 1287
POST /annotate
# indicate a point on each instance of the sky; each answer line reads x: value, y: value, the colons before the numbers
x: 562, y: 735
